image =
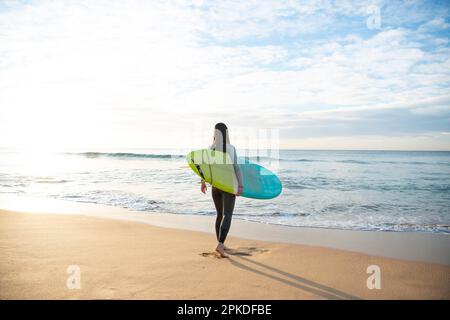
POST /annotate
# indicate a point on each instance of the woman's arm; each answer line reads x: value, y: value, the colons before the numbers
x: 237, y: 170
x: 203, y: 187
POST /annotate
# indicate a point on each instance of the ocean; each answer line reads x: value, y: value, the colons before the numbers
x: 358, y: 190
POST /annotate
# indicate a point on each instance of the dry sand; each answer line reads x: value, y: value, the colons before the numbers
x: 133, y: 260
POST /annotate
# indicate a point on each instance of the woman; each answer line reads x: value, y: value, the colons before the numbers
x: 223, y: 201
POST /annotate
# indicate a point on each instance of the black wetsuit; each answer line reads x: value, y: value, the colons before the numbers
x: 224, y: 203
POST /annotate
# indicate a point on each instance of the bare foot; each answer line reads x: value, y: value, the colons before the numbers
x: 221, y: 250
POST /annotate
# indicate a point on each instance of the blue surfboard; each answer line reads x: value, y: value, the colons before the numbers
x: 216, y: 168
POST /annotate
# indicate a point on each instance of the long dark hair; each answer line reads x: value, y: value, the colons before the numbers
x: 223, y: 130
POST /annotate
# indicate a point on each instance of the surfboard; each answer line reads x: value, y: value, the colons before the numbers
x: 216, y: 168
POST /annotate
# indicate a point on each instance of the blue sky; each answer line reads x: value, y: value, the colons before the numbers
x: 126, y: 74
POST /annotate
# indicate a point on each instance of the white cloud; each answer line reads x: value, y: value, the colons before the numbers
x: 433, y: 25
x: 131, y: 69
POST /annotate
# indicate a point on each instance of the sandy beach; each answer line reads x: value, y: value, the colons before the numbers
x: 121, y: 259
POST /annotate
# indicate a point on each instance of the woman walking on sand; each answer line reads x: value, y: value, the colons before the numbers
x: 223, y: 201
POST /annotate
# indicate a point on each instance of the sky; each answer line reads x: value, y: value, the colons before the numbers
x: 159, y: 74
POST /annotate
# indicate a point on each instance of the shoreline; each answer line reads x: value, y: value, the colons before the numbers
x: 408, y: 246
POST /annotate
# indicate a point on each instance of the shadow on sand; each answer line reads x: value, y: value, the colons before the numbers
x: 280, y: 276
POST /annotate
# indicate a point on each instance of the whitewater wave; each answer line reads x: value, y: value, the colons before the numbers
x: 127, y: 155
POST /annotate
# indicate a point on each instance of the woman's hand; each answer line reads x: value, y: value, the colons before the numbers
x: 240, y: 190
x: 203, y: 187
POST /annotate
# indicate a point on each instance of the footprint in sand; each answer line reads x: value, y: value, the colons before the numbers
x: 211, y: 254
x: 240, y: 251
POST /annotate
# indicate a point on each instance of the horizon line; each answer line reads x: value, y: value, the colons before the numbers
x: 155, y: 148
